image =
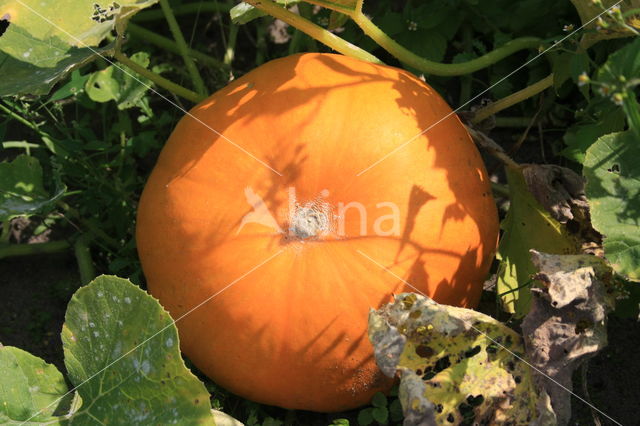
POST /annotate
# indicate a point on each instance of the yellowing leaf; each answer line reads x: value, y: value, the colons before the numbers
x: 457, y: 365
x: 527, y: 226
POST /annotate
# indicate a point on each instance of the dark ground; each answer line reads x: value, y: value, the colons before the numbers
x: 35, y: 291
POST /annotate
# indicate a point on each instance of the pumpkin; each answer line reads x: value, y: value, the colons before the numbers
x: 289, y: 203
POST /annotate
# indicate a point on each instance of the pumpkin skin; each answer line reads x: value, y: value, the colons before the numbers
x: 287, y: 321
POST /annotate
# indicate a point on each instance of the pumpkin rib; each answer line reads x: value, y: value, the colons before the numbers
x: 293, y: 332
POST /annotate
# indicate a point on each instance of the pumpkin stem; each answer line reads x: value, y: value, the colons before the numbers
x: 309, y: 221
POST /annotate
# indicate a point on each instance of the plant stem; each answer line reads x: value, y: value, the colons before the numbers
x: 83, y: 257
x: 170, y: 45
x: 12, y: 250
x: 20, y: 144
x: 333, y: 41
x: 95, y: 230
x: 196, y: 78
x: 159, y: 80
x: 231, y: 44
x: 185, y: 9
x: 513, y: 99
x: 407, y: 57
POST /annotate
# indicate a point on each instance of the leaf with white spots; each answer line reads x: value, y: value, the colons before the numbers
x: 122, y: 352
x: 457, y: 366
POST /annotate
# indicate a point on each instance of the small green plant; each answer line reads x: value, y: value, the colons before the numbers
x: 383, y: 410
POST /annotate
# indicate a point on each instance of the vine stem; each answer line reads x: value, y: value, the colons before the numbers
x: 512, y: 99
x: 435, y: 68
x: 322, y: 35
x: 12, y: 250
x: 231, y: 45
x: 170, y: 45
x: 83, y: 258
x: 196, y: 78
x: 159, y: 80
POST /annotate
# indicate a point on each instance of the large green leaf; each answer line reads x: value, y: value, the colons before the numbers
x: 48, y: 38
x: 122, y: 354
x: 612, y: 170
x: 21, y: 188
x: 527, y: 226
x: 30, y: 389
x: 122, y: 350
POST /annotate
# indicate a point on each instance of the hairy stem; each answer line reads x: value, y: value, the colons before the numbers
x: 159, y: 80
x: 196, y: 78
x: 407, y: 57
x: 313, y: 30
x: 513, y: 99
x: 12, y: 250
x: 170, y: 45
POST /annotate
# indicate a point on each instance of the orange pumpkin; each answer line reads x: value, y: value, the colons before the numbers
x: 323, y: 198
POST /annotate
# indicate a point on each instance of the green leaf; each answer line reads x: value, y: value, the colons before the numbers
x: 580, y: 137
x: 561, y: 64
x: 123, y: 347
x: 428, y: 43
x: 527, y: 226
x: 30, y: 389
x: 244, y: 12
x: 623, y: 62
x: 579, y: 64
x: 395, y: 410
x: 612, y: 170
x: 456, y: 364
x: 123, y: 86
x: 619, y: 75
x: 365, y: 417
x: 380, y: 414
x: 21, y: 188
x: 72, y: 88
x: 379, y: 400
x: 48, y: 38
